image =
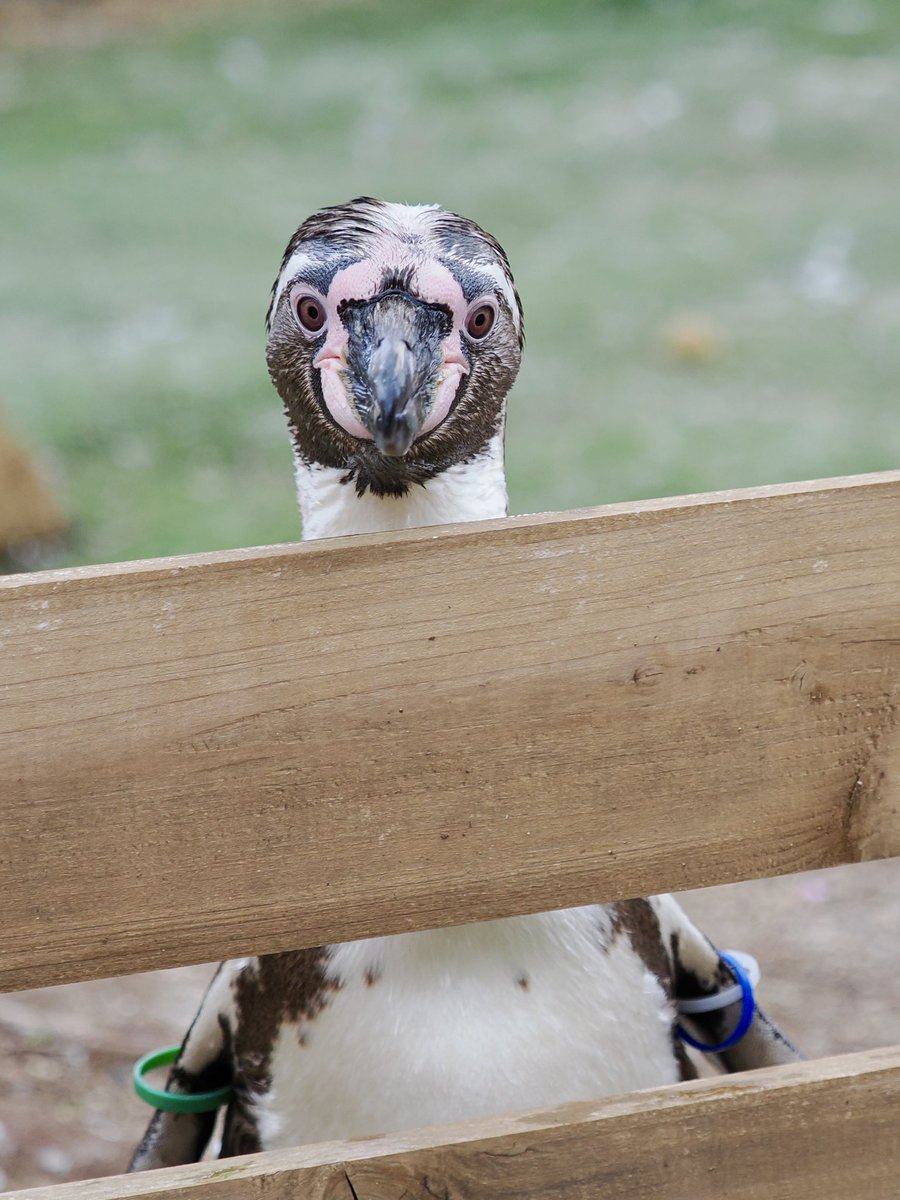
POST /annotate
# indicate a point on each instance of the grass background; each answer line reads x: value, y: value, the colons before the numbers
x: 722, y: 173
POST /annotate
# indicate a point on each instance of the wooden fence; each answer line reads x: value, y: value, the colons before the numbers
x: 251, y: 751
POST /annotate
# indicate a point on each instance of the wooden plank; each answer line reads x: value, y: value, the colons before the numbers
x: 822, y: 1130
x: 265, y: 749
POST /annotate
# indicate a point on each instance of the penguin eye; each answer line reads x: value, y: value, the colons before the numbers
x: 310, y: 313
x: 480, y: 320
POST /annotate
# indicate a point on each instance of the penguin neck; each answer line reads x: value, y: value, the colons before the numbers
x: 471, y: 491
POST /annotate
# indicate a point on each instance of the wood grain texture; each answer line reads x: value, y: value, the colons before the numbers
x: 259, y: 750
x: 822, y: 1130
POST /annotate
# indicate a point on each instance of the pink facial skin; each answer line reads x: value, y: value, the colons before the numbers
x: 330, y: 362
x: 446, y: 393
x: 335, y: 395
x: 432, y: 283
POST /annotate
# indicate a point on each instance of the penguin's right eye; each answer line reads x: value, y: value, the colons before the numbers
x: 310, y: 313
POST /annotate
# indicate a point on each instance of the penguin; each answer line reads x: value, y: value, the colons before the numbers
x: 395, y: 333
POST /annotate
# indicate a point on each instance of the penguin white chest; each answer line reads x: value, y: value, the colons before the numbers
x: 439, y: 1026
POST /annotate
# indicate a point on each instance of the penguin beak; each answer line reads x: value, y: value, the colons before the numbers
x: 397, y: 408
x: 394, y: 363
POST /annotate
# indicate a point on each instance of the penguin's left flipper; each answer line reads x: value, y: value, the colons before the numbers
x: 699, y: 970
x: 203, y: 1064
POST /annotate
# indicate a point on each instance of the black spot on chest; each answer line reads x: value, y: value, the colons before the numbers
x: 638, y: 920
x: 276, y: 989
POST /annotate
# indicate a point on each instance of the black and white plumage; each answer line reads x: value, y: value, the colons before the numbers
x: 395, y: 333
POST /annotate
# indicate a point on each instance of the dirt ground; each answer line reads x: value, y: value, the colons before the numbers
x: 829, y: 944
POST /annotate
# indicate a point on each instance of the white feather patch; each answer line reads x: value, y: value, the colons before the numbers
x: 470, y: 1021
x: 472, y: 491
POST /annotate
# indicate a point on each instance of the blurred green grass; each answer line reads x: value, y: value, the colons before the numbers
x: 736, y: 159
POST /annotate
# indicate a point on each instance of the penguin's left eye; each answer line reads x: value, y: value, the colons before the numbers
x: 310, y: 313
x: 480, y: 320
